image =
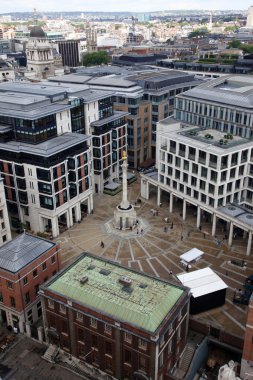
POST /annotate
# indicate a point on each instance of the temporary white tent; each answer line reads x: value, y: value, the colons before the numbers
x: 193, y: 255
x: 207, y: 288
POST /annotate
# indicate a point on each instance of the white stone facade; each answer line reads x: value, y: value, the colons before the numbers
x: 5, y: 232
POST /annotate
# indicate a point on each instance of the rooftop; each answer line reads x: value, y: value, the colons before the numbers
x: 46, y: 148
x: 234, y: 90
x: 21, y: 251
x: 144, y: 302
x: 199, y: 135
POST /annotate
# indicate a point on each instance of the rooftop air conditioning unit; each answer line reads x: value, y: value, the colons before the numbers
x: 126, y: 281
x: 83, y: 280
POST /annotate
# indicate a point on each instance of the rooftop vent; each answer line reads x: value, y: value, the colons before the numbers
x: 126, y: 281
x: 105, y: 272
x: 127, y: 289
x: 91, y: 266
x: 143, y: 286
x: 83, y: 280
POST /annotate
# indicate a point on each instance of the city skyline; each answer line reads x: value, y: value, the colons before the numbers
x: 112, y: 6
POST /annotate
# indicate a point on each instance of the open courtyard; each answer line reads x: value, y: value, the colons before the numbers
x: 155, y: 248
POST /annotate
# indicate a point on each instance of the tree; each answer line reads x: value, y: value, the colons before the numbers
x: 198, y: 33
x: 235, y: 44
x: 96, y: 58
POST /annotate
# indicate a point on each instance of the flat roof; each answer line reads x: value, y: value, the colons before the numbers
x: 117, y: 114
x: 46, y: 148
x: 145, y: 303
x: 234, y: 90
x: 202, y: 282
x: 237, y: 212
x: 21, y: 251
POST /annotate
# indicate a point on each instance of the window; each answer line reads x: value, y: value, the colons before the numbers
x: 142, y: 363
x: 93, y: 323
x: 44, y: 266
x: 108, y: 348
x: 50, y: 304
x: 127, y: 337
x: 94, y: 341
x: 1, y: 297
x: 53, y: 259
x: 9, y: 285
x: 4, y: 238
x: 108, y: 329
x: 142, y: 344
x: 128, y: 356
x: 13, y: 302
x: 27, y: 298
x: 36, y: 289
x: 161, y: 360
x: 162, y: 341
x: 62, y: 308
x: 25, y: 280
x: 35, y: 273
x: 79, y: 316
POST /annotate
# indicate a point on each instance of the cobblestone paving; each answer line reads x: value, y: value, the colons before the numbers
x: 156, y: 251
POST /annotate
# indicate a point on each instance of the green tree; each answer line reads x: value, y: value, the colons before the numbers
x: 198, y: 33
x: 96, y: 58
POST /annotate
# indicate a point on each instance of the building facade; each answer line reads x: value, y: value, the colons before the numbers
x: 26, y: 263
x: 69, y: 50
x: 5, y: 231
x: 126, y: 324
x: 204, y: 158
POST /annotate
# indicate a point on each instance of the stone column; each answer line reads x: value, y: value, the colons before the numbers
x: 198, y: 216
x: 40, y: 334
x: 158, y: 196
x: 21, y: 327
x: 230, y: 237
x: 70, y: 212
x: 184, y: 209
x: 28, y: 329
x: 67, y: 218
x: 90, y: 204
x: 249, y: 243
x: 171, y: 202
x: 55, y: 227
x: 124, y: 203
x: 78, y: 212
x: 214, y: 225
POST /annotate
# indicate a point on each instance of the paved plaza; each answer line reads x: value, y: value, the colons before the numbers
x: 155, y: 247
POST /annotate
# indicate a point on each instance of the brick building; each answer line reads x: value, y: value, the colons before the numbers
x: 25, y: 263
x: 247, y: 355
x: 127, y: 324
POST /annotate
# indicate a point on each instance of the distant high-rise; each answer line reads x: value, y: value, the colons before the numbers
x: 250, y: 17
x: 69, y: 50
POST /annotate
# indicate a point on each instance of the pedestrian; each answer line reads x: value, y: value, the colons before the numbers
x: 137, y: 231
x: 200, y: 228
x: 182, y: 237
x: 172, y: 226
x: 165, y: 229
x: 102, y: 244
x: 204, y: 235
x: 142, y: 231
x: 187, y: 268
x: 160, y: 205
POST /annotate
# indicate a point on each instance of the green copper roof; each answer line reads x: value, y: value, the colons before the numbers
x: 145, y: 303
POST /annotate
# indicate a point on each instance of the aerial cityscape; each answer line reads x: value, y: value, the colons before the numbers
x: 126, y: 191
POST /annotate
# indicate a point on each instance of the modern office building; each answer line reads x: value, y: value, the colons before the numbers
x: 147, y: 94
x: 161, y: 88
x: 5, y: 231
x: 25, y: 263
x: 46, y: 151
x: 126, y: 324
x: 204, y: 158
x: 69, y: 50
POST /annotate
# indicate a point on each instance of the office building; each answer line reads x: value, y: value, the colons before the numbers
x: 124, y: 323
x: 69, y: 50
x: 25, y: 263
x: 204, y: 158
x: 5, y: 231
x: 249, y: 23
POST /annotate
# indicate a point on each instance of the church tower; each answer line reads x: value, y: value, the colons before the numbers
x: 39, y: 54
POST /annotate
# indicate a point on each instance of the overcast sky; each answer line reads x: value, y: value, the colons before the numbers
x: 113, y: 5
